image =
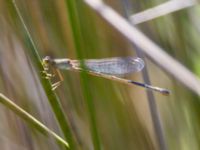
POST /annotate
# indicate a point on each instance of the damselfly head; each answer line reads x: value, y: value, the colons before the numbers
x: 47, y: 62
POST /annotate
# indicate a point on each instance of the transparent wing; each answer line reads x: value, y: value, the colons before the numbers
x: 115, y: 66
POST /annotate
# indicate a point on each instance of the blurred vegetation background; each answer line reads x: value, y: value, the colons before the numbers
x: 102, y: 114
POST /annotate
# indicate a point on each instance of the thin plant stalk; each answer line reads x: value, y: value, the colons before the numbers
x: 30, y: 119
x: 52, y: 97
x: 79, y: 46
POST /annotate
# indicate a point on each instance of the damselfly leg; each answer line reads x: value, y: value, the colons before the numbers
x: 51, y: 72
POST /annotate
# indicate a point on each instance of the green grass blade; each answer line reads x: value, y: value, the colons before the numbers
x: 74, y: 19
x: 30, y: 119
x: 52, y: 97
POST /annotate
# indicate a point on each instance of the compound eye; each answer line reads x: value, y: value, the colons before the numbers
x: 46, y: 61
x: 47, y: 58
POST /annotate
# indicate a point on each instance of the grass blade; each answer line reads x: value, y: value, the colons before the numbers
x: 30, y: 119
x: 52, y: 97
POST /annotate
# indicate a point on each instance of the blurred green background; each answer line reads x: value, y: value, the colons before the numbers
x: 101, y: 113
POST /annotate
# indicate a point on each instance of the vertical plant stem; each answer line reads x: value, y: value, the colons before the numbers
x: 151, y: 99
x: 72, y: 7
x: 52, y: 97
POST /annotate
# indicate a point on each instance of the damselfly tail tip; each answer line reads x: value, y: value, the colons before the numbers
x: 150, y: 87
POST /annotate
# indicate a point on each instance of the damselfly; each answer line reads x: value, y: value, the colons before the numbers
x: 109, y: 68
